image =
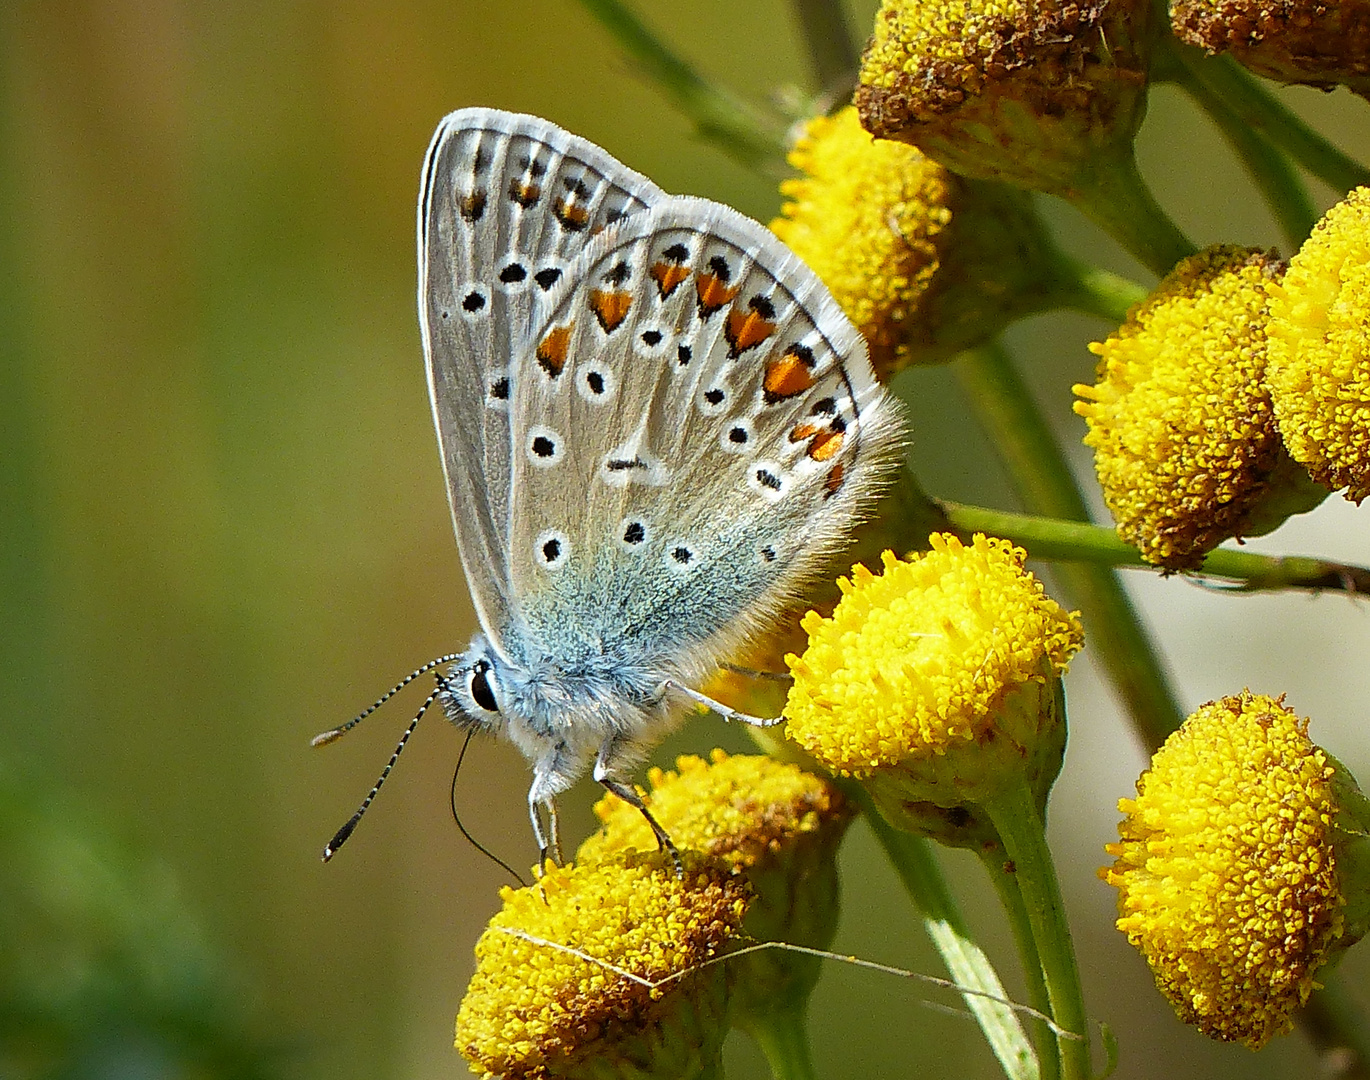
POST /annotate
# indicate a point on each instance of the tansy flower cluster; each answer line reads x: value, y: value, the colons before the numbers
x: 917, y: 665
x: 1319, y: 352
x: 1024, y: 92
x: 604, y: 963
x: 1233, y: 394
x: 926, y: 263
x: 1227, y: 870
x: 1180, y: 420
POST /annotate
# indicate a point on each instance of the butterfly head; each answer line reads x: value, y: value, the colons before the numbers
x: 472, y: 691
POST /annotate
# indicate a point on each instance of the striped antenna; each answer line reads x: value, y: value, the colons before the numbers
x: 326, y: 737
x: 340, y: 837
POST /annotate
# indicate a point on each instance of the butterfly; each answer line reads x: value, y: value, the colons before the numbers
x: 655, y: 426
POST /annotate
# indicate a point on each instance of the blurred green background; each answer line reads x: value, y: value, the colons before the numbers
x: 222, y: 529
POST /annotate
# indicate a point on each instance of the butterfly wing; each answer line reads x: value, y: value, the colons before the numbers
x: 696, y: 426
x: 506, y: 203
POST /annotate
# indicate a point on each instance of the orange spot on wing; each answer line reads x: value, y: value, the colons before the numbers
x: 668, y: 276
x: 572, y: 215
x: 551, y: 351
x: 713, y: 293
x: 825, y: 444
x: 786, y: 377
x: 745, y: 330
x: 525, y: 195
x: 804, y: 431
x: 610, y: 308
x: 471, y: 206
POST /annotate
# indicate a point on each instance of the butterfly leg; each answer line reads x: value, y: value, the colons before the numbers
x: 731, y: 715
x: 604, y: 776
x: 549, y: 842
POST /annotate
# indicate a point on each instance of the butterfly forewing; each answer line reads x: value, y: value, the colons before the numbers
x: 507, y: 202
x: 696, y: 426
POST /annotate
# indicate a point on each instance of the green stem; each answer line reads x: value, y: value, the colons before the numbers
x: 784, y: 1038
x: 741, y: 131
x: 1099, y: 292
x: 1014, y: 814
x: 913, y: 859
x: 823, y: 24
x: 1054, y: 540
x: 1011, y: 900
x: 1005, y: 408
x: 1280, y: 185
x: 1260, y: 110
x: 1117, y: 199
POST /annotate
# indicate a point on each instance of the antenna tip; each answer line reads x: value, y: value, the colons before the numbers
x: 340, y: 837
x: 326, y: 737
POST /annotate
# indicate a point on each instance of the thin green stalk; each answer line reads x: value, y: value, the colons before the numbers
x: 1005, y: 408
x: 1054, y: 540
x: 1011, y: 900
x: 1014, y: 814
x: 1281, y: 187
x: 742, y: 131
x: 784, y: 1039
x: 832, y: 51
x: 914, y: 861
x: 1260, y: 110
x: 1099, y: 292
x: 1116, y: 198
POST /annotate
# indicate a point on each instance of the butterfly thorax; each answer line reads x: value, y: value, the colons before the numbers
x: 553, y: 700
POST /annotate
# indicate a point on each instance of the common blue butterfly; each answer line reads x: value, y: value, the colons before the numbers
x: 656, y: 425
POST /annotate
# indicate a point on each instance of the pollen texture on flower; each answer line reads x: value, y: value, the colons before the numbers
x: 534, y: 1010
x: 917, y: 662
x: 1020, y: 91
x: 866, y: 216
x: 739, y: 809
x: 1181, y: 424
x: 1319, y: 368
x: 1294, y: 41
x: 1227, y: 882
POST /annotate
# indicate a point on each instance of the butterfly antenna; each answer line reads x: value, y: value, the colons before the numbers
x: 457, y: 818
x: 340, y: 837
x: 334, y: 734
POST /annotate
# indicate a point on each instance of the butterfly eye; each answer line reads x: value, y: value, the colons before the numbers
x: 479, y: 686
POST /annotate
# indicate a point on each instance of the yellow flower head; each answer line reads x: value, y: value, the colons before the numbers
x: 1319, y: 367
x: 943, y: 669
x: 1226, y: 873
x: 1181, y: 425
x: 532, y: 1010
x: 924, y: 262
x: 744, y: 810
x: 866, y: 217
x: 1311, y: 42
x: 1017, y: 90
x: 777, y: 824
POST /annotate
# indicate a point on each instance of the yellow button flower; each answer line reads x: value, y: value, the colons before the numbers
x: 745, y: 810
x: 1227, y: 875
x: 781, y: 827
x: 943, y: 670
x: 535, y: 1011
x: 1182, y: 427
x: 1311, y: 42
x: 1012, y: 90
x: 924, y: 262
x: 867, y: 218
x: 1319, y: 369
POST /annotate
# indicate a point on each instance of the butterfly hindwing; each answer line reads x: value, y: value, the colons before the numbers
x: 696, y: 426
x: 507, y: 202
